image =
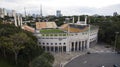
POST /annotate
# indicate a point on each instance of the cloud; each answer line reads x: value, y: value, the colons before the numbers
x: 68, y: 7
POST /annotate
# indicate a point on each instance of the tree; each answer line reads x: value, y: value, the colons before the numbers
x: 40, y: 62
x: 1, y: 19
x: 49, y: 57
x: 118, y: 43
x: 18, y: 43
x: 20, y: 46
x: 4, y: 44
x: 45, y: 60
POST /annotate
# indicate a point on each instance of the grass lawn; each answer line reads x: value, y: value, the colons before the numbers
x: 51, y: 31
x: 5, y: 64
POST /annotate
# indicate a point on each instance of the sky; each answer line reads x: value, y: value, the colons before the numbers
x: 67, y: 7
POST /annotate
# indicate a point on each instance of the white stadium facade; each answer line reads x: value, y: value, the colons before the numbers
x: 69, y: 37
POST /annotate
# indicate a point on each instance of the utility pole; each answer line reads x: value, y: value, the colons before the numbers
x: 116, y: 34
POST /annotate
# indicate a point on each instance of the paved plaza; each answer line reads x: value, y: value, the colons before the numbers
x: 62, y: 59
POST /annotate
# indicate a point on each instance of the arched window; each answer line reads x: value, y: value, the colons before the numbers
x: 59, y: 43
x: 43, y: 43
x: 51, y: 43
x: 47, y: 43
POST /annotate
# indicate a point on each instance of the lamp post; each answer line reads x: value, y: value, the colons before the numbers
x: 116, y: 33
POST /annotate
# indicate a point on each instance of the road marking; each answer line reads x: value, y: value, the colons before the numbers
x: 85, y: 62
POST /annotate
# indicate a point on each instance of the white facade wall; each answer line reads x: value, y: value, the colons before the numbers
x: 53, y: 40
x: 72, y: 38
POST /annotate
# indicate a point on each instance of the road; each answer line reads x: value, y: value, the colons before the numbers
x: 95, y: 60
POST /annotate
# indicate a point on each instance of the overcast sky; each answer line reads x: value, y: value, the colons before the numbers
x: 67, y: 7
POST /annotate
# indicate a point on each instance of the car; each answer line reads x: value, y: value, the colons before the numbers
x: 107, y: 46
x: 115, y: 65
x: 88, y: 53
x: 118, y: 52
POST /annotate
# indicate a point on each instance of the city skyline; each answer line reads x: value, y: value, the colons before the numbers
x: 67, y: 7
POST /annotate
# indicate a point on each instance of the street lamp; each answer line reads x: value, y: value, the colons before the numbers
x: 116, y: 33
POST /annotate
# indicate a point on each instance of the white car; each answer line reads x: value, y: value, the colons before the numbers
x: 102, y: 66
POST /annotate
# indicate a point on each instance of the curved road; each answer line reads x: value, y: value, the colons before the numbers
x: 95, y: 60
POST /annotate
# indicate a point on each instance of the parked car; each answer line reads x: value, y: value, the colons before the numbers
x: 118, y: 52
x: 88, y: 53
x: 115, y: 65
x: 102, y: 66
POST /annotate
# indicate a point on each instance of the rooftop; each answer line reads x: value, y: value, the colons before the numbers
x: 74, y: 28
x: 40, y: 25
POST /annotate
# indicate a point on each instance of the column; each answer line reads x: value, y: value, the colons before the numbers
x: 68, y: 47
x: 88, y: 41
x: 84, y: 44
x: 62, y: 49
x: 53, y: 48
x: 70, y: 44
x: 81, y: 46
x: 58, y: 48
x: 74, y: 47
x: 77, y: 45
x: 45, y: 48
x: 96, y: 38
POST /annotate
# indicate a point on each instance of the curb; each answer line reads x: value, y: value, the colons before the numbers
x: 63, y: 64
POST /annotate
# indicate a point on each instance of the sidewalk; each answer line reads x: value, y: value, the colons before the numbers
x: 62, y: 58
x: 101, y: 48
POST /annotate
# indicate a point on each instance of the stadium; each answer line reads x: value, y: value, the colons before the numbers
x: 69, y: 37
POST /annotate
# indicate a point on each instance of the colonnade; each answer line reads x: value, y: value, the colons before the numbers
x: 55, y: 48
x: 78, y: 45
x: 73, y: 46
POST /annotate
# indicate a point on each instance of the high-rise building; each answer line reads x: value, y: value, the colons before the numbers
x: 41, y: 11
x: 115, y: 14
x: 58, y: 13
x: 1, y: 13
x: 9, y: 13
x: 33, y: 15
x: 4, y: 12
